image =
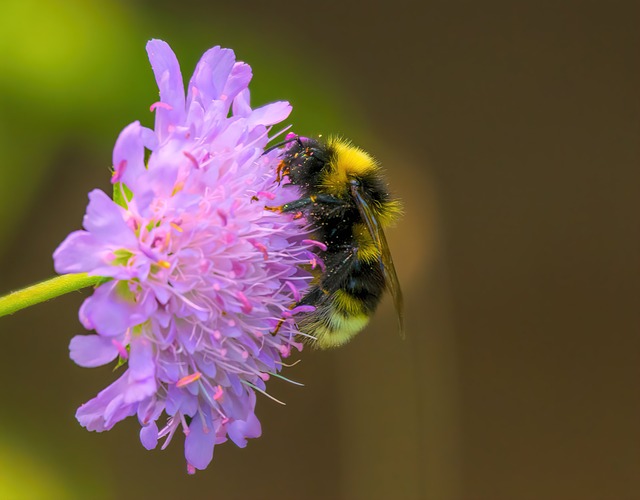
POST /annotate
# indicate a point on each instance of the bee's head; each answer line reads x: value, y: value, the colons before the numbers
x: 305, y: 161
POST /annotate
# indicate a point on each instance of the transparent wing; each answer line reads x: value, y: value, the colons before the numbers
x: 386, y: 261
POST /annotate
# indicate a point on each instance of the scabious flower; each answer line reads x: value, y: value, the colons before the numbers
x: 200, y: 274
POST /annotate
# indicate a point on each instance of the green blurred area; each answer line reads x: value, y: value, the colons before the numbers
x: 33, y: 470
x: 75, y: 73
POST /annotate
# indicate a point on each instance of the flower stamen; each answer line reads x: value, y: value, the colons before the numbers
x: 247, y: 307
x: 256, y: 388
x: 217, y: 395
x: 160, y: 105
x: 192, y: 159
x: 316, y: 243
x: 189, y: 379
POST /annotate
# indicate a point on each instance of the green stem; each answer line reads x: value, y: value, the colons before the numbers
x: 46, y: 290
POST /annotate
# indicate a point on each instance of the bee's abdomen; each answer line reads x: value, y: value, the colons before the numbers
x: 343, y: 309
x: 332, y: 326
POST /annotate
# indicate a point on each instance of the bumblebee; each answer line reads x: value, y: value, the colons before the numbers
x: 347, y: 204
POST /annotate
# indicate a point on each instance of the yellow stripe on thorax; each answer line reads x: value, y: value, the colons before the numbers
x: 347, y: 161
x: 388, y: 212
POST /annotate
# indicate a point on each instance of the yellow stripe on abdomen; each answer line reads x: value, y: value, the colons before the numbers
x: 340, y: 331
x: 346, y: 304
x: 336, y: 324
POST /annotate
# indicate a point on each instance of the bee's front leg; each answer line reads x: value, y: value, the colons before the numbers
x: 302, y: 203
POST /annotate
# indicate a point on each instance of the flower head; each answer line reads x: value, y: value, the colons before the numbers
x: 200, y: 273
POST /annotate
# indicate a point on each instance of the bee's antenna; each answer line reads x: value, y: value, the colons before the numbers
x: 282, y: 143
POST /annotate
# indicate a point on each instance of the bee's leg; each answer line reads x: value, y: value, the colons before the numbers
x: 281, y: 170
x: 278, y: 326
x: 297, y: 205
x: 282, y: 320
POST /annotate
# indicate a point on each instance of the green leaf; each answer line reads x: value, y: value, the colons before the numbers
x: 122, y: 195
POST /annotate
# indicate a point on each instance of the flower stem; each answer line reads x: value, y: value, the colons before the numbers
x: 46, y: 290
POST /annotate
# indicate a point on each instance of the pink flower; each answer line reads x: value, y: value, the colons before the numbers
x: 200, y: 273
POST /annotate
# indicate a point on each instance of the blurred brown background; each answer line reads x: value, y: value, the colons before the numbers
x: 510, y: 130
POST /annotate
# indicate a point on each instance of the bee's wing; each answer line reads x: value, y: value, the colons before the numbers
x: 386, y: 261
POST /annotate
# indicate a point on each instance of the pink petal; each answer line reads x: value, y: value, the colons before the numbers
x: 211, y: 74
x: 149, y: 436
x: 104, y: 219
x: 142, y: 370
x: 270, y: 114
x: 92, y: 350
x: 198, y: 445
x: 110, y: 314
x: 106, y: 409
x: 240, y: 430
x: 81, y: 252
x: 242, y: 104
x: 128, y: 155
x: 238, y: 80
x: 169, y: 79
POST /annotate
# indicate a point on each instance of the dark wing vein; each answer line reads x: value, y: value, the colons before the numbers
x: 386, y: 261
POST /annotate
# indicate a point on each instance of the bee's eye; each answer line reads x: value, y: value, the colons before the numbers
x: 354, y: 182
